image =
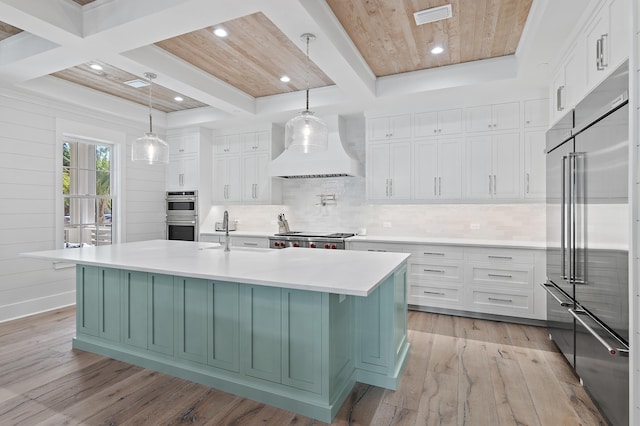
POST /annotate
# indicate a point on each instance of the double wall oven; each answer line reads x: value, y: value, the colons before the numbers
x: 182, y: 215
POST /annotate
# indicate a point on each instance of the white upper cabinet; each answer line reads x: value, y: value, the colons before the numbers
x: 392, y: 127
x: 608, y: 38
x: 569, y: 83
x: 183, y: 144
x: 536, y: 113
x: 493, y: 166
x: 534, y: 165
x: 187, y: 154
x: 256, y: 141
x: 389, y: 171
x: 438, y: 123
x: 438, y: 169
x: 504, y: 116
x: 227, y: 144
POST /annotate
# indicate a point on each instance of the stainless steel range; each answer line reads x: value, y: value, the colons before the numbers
x: 321, y: 240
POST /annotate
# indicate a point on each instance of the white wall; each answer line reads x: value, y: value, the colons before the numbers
x: 28, y: 149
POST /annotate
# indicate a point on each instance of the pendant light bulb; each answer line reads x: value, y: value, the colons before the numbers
x: 150, y: 148
x: 305, y: 132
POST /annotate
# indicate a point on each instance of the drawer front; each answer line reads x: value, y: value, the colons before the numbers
x: 500, y: 256
x: 502, y: 303
x: 426, y: 295
x: 511, y: 277
x: 250, y: 242
x: 209, y: 238
x: 434, y: 253
x: 382, y: 247
x: 435, y: 272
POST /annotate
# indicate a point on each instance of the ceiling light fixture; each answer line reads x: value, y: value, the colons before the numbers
x: 178, y: 99
x: 96, y: 67
x: 150, y: 148
x: 220, y: 32
x: 285, y: 79
x: 437, y: 50
x: 305, y: 132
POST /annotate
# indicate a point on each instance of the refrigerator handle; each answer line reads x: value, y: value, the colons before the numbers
x: 577, y: 277
x: 612, y: 351
x: 563, y: 224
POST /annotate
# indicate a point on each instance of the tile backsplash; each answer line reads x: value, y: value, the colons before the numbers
x: 351, y: 213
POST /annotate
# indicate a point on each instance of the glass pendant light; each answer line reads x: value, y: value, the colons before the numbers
x: 306, y: 132
x: 150, y: 148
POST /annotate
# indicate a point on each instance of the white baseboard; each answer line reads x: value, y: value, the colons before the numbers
x: 36, y: 306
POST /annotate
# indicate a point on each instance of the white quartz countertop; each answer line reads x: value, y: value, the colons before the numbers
x: 450, y: 241
x: 355, y: 273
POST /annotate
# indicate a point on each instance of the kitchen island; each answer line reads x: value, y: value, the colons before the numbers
x: 294, y: 328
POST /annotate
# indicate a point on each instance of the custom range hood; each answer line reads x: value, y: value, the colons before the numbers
x: 333, y: 162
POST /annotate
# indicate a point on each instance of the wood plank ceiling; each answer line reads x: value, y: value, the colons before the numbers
x: 385, y: 32
x: 256, y: 53
x: 251, y: 58
x: 111, y: 80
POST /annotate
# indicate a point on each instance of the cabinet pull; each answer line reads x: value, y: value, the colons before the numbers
x: 489, y: 184
x: 528, y: 179
x: 499, y: 257
x: 391, y: 187
x: 499, y: 275
x: 387, y: 188
x: 429, y: 253
x: 600, y: 63
x: 378, y: 250
x: 439, y: 293
x: 440, y: 271
x: 559, y: 103
x: 250, y: 244
x: 439, y: 185
x: 434, y: 185
x: 495, y: 299
x: 181, y: 179
x: 495, y: 184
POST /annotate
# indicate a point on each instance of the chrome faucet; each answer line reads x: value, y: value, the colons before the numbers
x: 225, y: 225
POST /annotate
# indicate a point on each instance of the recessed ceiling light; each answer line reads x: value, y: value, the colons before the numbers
x: 437, y: 50
x: 220, y: 32
x: 178, y: 99
x: 96, y: 67
x: 285, y: 79
x: 137, y: 83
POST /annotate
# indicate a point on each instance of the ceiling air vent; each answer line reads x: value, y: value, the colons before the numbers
x: 137, y: 83
x: 432, y: 15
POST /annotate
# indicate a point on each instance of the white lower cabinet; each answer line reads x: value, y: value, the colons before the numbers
x: 488, y: 280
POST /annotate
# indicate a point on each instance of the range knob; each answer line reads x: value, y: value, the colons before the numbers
x: 276, y: 244
x: 326, y: 246
x: 312, y: 245
x: 296, y: 245
x: 333, y: 246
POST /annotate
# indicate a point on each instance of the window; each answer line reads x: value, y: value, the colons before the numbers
x: 87, y: 182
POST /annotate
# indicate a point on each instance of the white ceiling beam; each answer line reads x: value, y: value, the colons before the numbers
x: 178, y: 75
x: 59, y: 21
x: 445, y: 77
x: 21, y: 46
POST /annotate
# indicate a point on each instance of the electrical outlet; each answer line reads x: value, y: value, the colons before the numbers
x: 474, y: 226
x: 386, y: 224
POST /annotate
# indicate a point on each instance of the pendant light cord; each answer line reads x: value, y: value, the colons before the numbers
x: 307, y: 76
x: 150, y: 115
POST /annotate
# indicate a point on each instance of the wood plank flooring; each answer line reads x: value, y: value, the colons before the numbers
x: 460, y: 371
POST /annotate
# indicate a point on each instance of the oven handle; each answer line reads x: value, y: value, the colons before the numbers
x: 547, y: 287
x: 178, y: 199
x: 180, y: 222
x: 612, y: 351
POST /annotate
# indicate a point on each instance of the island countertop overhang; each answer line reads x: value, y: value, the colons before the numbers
x: 355, y: 273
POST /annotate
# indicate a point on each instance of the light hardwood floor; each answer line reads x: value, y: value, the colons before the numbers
x: 460, y: 372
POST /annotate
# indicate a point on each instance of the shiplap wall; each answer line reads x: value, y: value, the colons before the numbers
x: 28, y: 190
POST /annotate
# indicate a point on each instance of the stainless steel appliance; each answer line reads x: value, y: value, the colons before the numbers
x: 182, y: 215
x: 587, y: 243
x: 321, y: 240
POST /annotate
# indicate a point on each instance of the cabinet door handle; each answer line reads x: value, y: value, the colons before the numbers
x: 440, y: 271
x: 250, y: 244
x: 438, y: 293
x: 439, y: 185
x: 387, y: 187
x: 603, y: 64
x: 429, y: 253
x: 490, y: 185
x: 435, y: 192
x: 500, y: 257
x: 528, y: 179
x: 391, y: 187
x: 494, y: 299
x: 379, y: 250
x: 559, y: 100
x: 499, y: 276
x: 495, y: 184
x: 181, y: 179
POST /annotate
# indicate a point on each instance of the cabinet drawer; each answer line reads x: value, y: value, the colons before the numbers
x: 434, y: 295
x: 383, y: 247
x: 501, y: 302
x: 500, y: 256
x: 435, y: 252
x: 435, y: 271
x: 250, y: 242
x: 512, y: 277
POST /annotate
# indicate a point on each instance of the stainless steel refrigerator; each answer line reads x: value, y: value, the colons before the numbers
x: 588, y: 243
